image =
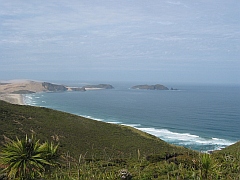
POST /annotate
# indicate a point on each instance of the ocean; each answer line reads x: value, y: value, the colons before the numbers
x: 200, y: 117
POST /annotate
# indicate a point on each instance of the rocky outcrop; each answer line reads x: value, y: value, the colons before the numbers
x: 151, y: 87
x: 54, y: 87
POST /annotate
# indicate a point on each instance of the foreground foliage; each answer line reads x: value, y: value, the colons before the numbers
x: 180, y: 167
x: 28, y: 158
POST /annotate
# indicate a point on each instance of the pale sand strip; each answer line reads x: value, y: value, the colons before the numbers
x: 12, y: 98
x: 90, y: 89
x: 8, y: 89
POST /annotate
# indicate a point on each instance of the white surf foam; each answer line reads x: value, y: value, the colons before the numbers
x: 182, y: 139
x: 132, y: 125
x: 186, y: 138
x: 114, y: 122
x: 28, y: 99
x: 90, y: 117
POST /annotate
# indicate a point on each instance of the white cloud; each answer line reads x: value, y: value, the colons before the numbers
x: 119, y: 34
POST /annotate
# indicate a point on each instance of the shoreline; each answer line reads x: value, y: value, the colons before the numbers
x: 196, y: 142
x: 19, y: 100
x: 13, y: 98
x: 22, y: 99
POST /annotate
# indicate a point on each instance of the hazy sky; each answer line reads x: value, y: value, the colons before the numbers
x: 124, y: 40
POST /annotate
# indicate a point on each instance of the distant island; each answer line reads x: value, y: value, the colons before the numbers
x: 151, y: 87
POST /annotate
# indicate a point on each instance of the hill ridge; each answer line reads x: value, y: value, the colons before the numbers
x: 76, y: 133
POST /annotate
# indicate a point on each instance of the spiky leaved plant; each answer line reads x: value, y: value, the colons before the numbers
x: 209, y: 167
x: 50, y: 154
x: 25, y: 159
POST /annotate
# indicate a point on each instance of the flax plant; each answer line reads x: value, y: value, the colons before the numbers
x: 27, y: 158
x: 209, y: 167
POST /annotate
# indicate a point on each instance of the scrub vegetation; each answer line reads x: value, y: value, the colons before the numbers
x: 40, y: 143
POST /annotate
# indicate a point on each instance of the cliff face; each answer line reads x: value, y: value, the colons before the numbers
x: 151, y: 87
x: 53, y: 87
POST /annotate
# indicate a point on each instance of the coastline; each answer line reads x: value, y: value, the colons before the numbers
x: 13, y: 98
x: 13, y: 91
x: 219, y: 143
x: 85, y: 105
x: 18, y: 94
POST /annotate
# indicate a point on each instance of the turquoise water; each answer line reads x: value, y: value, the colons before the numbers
x: 198, y: 117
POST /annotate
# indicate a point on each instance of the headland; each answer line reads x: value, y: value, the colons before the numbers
x: 12, y: 91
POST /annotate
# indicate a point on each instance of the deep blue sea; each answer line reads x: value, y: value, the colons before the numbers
x: 200, y: 117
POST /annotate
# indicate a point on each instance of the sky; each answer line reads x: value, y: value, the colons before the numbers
x: 179, y: 41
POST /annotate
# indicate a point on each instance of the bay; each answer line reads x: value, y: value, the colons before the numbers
x: 200, y: 117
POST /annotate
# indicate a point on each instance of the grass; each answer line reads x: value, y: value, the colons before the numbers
x: 78, y: 134
x: 96, y: 150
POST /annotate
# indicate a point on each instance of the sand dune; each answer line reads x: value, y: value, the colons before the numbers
x: 12, y: 87
x: 12, y: 98
x: 11, y: 91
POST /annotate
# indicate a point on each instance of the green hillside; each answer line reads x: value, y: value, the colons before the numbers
x: 78, y: 135
x: 233, y: 150
x: 96, y: 150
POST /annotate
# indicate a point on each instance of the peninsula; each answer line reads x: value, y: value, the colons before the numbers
x: 11, y: 91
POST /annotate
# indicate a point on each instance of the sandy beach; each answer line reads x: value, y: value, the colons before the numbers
x: 91, y: 89
x: 12, y: 98
x: 10, y: 91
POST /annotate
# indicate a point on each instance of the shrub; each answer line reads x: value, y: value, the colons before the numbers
x: 27, y: 158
